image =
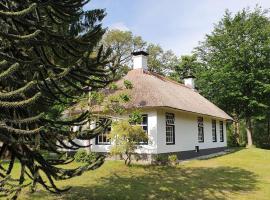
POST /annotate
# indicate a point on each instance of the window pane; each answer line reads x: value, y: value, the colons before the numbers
x: 144, y: 121
x: 103, y: 137
x: 169, y: 134
x: 144, y: 126
x: 200, y: 129
x: 170, y: 118
x: 214, y: 131
x: 221, y: 131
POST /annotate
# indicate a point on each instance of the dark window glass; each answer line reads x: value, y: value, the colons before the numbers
x: 214, y: 131
x: 144, y: 126
x: 221, y: 131
x: 200, y: 130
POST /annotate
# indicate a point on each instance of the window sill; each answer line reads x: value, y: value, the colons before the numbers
x: 170, y: 143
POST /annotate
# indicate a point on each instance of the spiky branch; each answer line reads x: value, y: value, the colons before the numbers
x: 47, y: 57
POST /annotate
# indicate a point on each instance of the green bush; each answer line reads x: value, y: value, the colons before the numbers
x: 172, y: 159
x: 161, y: 159
x: 84, y: 157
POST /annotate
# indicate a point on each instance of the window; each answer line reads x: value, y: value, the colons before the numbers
x: 170, y: 129
x: 214, y: 131
x: 200, y: 130
x: 103, y: 137
x: 221, y: 131
x: 144, y: 125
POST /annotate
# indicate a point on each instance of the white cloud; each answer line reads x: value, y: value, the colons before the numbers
x: 119, y: 25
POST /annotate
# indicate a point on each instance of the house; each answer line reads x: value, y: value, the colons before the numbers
x: 176, y: 117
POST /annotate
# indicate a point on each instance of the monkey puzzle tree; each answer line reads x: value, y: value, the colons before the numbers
x: 48, y: 56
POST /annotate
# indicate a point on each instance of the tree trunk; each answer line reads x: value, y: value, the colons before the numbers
x: 236, y: 131
x: 249, y: 132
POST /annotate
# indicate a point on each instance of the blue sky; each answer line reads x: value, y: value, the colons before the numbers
x: 174, y: 24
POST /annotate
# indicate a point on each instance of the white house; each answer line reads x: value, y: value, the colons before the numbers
x: 176, y: 117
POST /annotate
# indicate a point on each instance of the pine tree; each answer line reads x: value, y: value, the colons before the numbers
x: 48, y: 57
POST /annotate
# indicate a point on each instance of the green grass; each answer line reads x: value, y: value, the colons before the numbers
x: 244, y: 174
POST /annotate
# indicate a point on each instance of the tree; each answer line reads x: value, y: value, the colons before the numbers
x: 160, y: 61
x: 126, y: 135
x: 122, y: 44
x: 48, y: 57
x: 235, y: 59
x: 187, y: 66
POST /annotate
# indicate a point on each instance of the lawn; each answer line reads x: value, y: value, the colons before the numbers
x: 244, y: 174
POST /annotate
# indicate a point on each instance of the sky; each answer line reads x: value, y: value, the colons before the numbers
x: 178, y: 25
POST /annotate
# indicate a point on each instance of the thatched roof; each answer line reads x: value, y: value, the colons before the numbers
x: 152, y: 90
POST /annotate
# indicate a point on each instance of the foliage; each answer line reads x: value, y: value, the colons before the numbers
x: 160, y: 61
x: 231, y: 137
x: 135, y: 117
x: 187, y: 66
x: 172, y: 159
x: 80, y: 155
x: 125, y: 97
x: 161, y: 159
x: 125, y: 139
x: 113, y: 86
x: 122, y: 43
x: 262, y: 133
x: 85, y: 157
x: 234, y: 62
x: 49, y: 55
x: 128, y: 84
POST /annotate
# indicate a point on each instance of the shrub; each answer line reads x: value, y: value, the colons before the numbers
x: 82, y: 156
x: 172, y: 159
x: 161, y: 159
x: 126, y: 138
x: 91, y: 156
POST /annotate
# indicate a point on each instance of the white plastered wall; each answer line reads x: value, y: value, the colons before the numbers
x: 186, y: 132
x: 150, y: 148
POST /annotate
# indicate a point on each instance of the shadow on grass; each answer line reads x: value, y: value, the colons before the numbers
x: 168, y: 183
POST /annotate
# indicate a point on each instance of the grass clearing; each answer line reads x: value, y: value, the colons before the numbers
x: 244, y: 174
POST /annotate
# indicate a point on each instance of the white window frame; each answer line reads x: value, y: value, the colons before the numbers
x: 170, y: 128
x: 145, y: 128
x: 101, y: 136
